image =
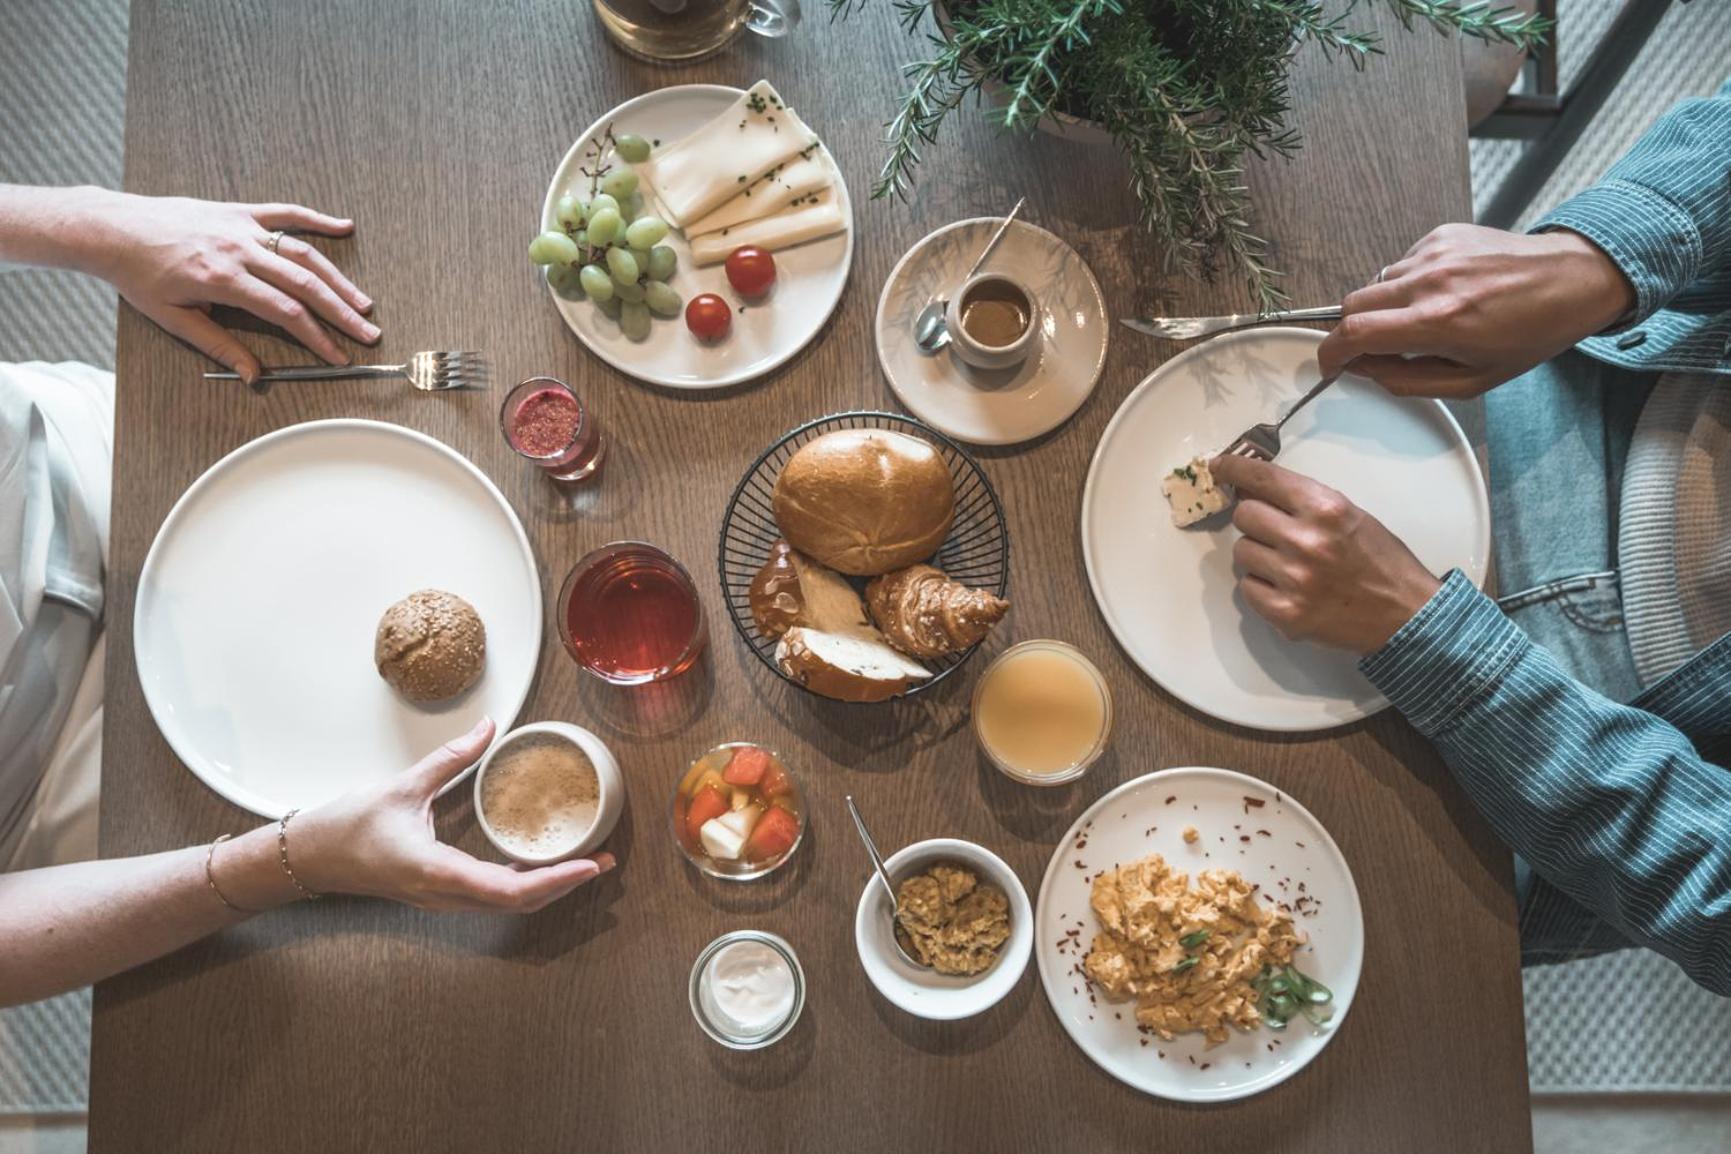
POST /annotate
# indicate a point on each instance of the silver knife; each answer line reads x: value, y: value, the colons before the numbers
x: 1191, y: 328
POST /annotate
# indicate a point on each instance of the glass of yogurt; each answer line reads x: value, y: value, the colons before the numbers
x: 747, y: 989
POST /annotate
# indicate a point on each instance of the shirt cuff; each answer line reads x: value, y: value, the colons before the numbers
x: 1653, y: 241
x: 1452, y: 651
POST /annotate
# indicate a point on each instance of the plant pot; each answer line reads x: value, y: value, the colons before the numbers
x: 1059, y: 124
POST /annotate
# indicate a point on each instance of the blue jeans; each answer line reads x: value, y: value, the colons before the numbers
x: 1558, y: 439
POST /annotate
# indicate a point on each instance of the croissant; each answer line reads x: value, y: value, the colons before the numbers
x: 924, y: 613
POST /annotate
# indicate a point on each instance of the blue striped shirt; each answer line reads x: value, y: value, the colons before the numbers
x: 1613, y: 804
x: 1626, y: 809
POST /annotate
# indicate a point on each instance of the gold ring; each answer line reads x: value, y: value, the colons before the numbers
x: 275, y: 239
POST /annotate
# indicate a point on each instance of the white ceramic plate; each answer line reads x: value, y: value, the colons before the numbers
x: 259, y: 598
x: 809, y: 277
x: 1006, y: 406
x: 1136, y: 820
x: 1169, y: 594
x: 923, y: 992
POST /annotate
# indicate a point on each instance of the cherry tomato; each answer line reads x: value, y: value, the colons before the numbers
x: 708, y: 317
x: 750, y: 270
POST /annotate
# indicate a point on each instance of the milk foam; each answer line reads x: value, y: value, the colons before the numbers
x: 541, y: 795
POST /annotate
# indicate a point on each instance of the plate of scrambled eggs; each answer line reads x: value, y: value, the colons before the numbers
x: 1199, y: 935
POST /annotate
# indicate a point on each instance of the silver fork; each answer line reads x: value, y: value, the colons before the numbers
x: 1190, y: 328
x: 429, y: 371
x: 1262, y: 442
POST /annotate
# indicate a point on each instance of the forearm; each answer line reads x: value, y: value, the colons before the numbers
x: 68, y: 926
x: 1610, y: 804
x: 53, y: 227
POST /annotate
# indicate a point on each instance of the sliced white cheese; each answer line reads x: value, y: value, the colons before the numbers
x: 817, y: 215
x: 1192, y: 493
x: 779, y: 187
x: 697, y: 175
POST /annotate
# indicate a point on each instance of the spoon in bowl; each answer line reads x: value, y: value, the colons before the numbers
x: 896, y: 930
x: 930, y: 331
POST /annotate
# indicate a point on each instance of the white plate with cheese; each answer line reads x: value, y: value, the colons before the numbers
x: 1169, y: 595
x: 696, y: 182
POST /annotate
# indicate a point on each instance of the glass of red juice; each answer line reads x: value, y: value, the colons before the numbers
x: 543, y: 420
x: 629, y: 614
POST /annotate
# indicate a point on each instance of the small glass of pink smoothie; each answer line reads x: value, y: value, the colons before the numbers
x: 543, y: 420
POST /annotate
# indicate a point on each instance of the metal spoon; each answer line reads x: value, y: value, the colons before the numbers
x: 930, y: 331
x: 884, y: 877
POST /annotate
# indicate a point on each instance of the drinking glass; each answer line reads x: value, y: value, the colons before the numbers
x: 543, y: 421
x: 629, y: 614
x: 664, y: 31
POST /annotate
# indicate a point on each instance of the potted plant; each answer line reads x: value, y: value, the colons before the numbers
x: 1186, y: 90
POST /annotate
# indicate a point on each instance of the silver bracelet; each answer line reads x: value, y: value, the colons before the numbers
x: 210, y: 876
x: 282, y: 853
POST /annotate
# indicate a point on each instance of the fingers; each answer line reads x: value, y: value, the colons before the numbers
x: 1262, y: 481
x: 197, y: 329
x: 1385, y: 331
x: 431, y: 774
x: 1382, y: 295
x: 497, y: 887
x: 1425, y: 376
x: 311, y: 258
x: 1256, y: 559
x: 311, y: 288
x: 287, y: 216
x: 1269, y: 603
x: 271, y: 304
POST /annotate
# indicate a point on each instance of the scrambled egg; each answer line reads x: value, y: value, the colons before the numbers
x: 949, y: 921
x: 1188, y: 956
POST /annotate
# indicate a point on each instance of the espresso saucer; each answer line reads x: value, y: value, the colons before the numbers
x: 1003, y: 406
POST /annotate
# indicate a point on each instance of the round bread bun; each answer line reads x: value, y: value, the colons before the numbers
x: 430, y: 646
x: 865, y: 501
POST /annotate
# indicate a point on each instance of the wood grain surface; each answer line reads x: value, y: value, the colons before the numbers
x: 356, y: 1025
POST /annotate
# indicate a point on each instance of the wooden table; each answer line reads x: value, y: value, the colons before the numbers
x: 353, y: 1025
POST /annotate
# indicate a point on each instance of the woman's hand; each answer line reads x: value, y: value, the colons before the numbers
x: 380, y: 842
x: 173, y: 258
x: 1468, y: 308
x: 1317, y: 566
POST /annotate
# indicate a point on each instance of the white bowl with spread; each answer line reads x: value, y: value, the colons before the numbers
x: 747, y: 989
x: 923, y: 992
x: 537, y: 803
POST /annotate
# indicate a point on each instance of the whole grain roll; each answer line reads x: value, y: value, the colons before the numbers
x: 865, y: 501
x: 430, y: 646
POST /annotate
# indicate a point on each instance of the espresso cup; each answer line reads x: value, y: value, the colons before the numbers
x: 668, y: 31
x: 992, y: 286
x: 609, y: 782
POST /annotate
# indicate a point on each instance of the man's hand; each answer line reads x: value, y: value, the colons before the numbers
x: 1317, y: 566
x: 1468, y: 308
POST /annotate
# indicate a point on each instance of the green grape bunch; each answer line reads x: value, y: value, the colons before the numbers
x: 604, y: 248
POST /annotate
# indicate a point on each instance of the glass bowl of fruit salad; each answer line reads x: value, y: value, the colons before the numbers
x: 738, y: 813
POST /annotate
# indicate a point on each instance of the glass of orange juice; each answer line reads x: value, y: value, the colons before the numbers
x: 1042, y: 712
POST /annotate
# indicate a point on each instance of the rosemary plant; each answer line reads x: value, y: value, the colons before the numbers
x: 1187, y: 89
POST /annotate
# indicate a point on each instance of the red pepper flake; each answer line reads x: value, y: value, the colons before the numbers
x: 546, y: 422
x: 1144, y: 1041
x: 1162, y: 1053
x: 1253, y: 802
x: 1244, y: 837
x: 1081, y: 865
x: 1205, y: 1065
x: 1171, y: 799
x: 1263, y: 833
x: 1299, y: 844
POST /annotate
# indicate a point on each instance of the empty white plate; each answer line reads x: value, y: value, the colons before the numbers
x: 809, y: 277
x: 1278, y: 846
x: 1169, y: 594
x: 259, y: 599
x: 1006, y: 406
